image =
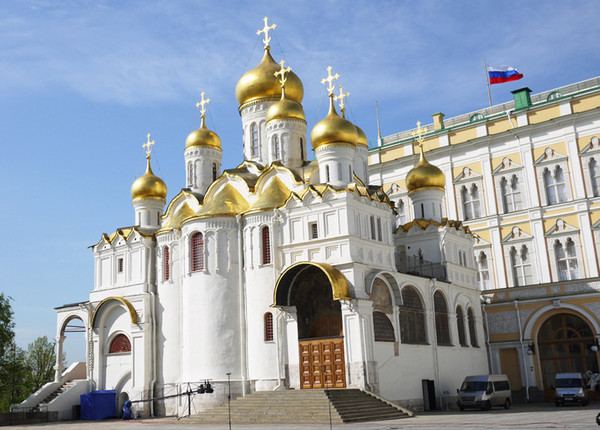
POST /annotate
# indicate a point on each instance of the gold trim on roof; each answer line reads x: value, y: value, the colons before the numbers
x: 424, y: 224
x: 178, y: 218
x: 124, y: 301
x: 227, y: 201
x: 339, y: 284
x: 124, y: 233
x: 274, y: 195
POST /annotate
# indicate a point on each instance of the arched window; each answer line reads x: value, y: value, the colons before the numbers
x: 460, y: 322
x: 483, y: 272
x: 521, y: 266
x: 349, y: 173
x: 120, y: 344
x: 412, y: 317
x: 339, y: 171
x: 197, y: 252
x: 301, y: 149
x: 555, y: 185
x: 214, y: 171
x: 276, y: 151
x: 401, y: 212
x: 327, y: 176
x: 268, y: 327
x: 254, y: 139
x: 384, y: 330
x: 266, y: 245
x: 190, y: 174
x: 442, y: 329
x: 595, y: 176
x: 566, y: 260
x: 472, y: 331
x: 166, y: 264
x: 511, y: 195
x: 471, y: 204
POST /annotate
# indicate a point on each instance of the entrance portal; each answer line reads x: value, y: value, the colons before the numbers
x: 315, y: 290
x: 564, y: 344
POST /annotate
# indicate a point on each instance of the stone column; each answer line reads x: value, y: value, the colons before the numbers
x: 59, y: 368
x: 291, y: 352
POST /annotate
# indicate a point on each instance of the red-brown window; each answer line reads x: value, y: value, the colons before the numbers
x: 120, y: 344
x: 197, y: 252
x: 460, y: 322
x: 119, y: 265
x: 314, y: 230
x: 268, y: 327
x: 384, y: 330
x: 266, y: 246
x: 412, y: 317
x: 472, y: 332
x: 166, y: 264
x: 442, y: 328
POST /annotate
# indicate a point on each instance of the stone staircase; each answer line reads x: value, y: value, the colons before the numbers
x: 64, y: 387
x: 303, y: 406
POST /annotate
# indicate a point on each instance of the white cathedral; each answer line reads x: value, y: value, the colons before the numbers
x: 281, y: 273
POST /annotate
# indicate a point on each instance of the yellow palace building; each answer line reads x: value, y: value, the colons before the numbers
x: 524, y: 176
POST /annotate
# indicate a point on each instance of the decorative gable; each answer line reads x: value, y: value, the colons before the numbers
x: 592, y: 147
x: 467, y: 175
x: 506, y: 166
x: 561, y: 228
x: 516, y: 235
x: 550, y: 156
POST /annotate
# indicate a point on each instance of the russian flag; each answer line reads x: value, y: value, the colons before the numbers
x: 501, y: 74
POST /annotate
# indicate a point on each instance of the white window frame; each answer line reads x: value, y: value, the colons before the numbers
x: 481, y: 283
x: 466, y: 180
x: 517, y: 238
x: 550, y: 160
x: 562, y: 232
x: 592, y: 150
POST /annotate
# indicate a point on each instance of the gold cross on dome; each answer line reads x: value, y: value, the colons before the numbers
x: 148, y: 145
x: 265, y: 30
x: 202, y: 103
x: 419, y: 132
x: 281, y: 72
x: 329, y: 79
x: 341, y: 97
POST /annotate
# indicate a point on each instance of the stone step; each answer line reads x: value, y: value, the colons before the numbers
x: 302, y: 406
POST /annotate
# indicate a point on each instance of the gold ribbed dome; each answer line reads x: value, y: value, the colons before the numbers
x: 261, y: 83
x: 333, y: 128
x: 362, y: 137
x: 203, y: 137
x: 425, y: 175
x: 148, y: 186
x: 285, y: 109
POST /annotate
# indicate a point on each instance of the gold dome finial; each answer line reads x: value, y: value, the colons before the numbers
x: 265, y: 30
x: 281, y: 73
x: 341, y: 98
x: 148, y: 146
x: 329, y: 79
x: 424, y: 174
x: 148, y: 185
x: 203, y: 136
x: 202, y: 104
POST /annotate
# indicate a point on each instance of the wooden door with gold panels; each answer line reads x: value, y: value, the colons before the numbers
x: 322, y: 363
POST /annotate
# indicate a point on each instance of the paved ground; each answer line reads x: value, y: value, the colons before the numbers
x: 546, y: 416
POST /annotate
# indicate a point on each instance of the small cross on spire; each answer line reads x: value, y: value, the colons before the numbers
x: 148, y: 146
x: 202, y: 104
x: 281, y: 72
x: 419, y: 132
x: 341, y: 98
x: 265, y: 30
x: 329, y: 79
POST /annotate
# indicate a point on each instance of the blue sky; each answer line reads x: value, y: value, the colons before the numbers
x: 83, y: 82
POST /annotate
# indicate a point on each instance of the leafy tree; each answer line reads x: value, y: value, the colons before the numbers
x: 7, y: 325
x: 13, y: 377
x: 40, y: 361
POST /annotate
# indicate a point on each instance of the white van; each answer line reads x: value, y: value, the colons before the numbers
x: 484, y: 391
x: 570, y: 388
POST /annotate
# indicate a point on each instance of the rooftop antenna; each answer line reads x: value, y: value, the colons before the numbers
x: 378, y: 126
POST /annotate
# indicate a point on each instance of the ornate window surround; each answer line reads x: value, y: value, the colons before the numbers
x: 550, y: 160
x: 592, y: 150
x: 562, y: 232
x: 516, y: 238
x: 507, y: 169
x: 467, y: 178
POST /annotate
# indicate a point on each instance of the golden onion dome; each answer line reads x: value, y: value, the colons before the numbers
x: 285, y: 109
x: 333, y: 129
x: 261, y: 83
x: 203, y: 137
x: 425, y: 175
x: 362, y: 137
x: 148, y: 186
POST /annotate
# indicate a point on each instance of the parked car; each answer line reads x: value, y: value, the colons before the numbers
x: 570, y: 388
x: 484, y: 391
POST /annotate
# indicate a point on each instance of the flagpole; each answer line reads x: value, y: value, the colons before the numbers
x: 487, y: 79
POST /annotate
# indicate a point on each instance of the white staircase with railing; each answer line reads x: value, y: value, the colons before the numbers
x: 58, y: 396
